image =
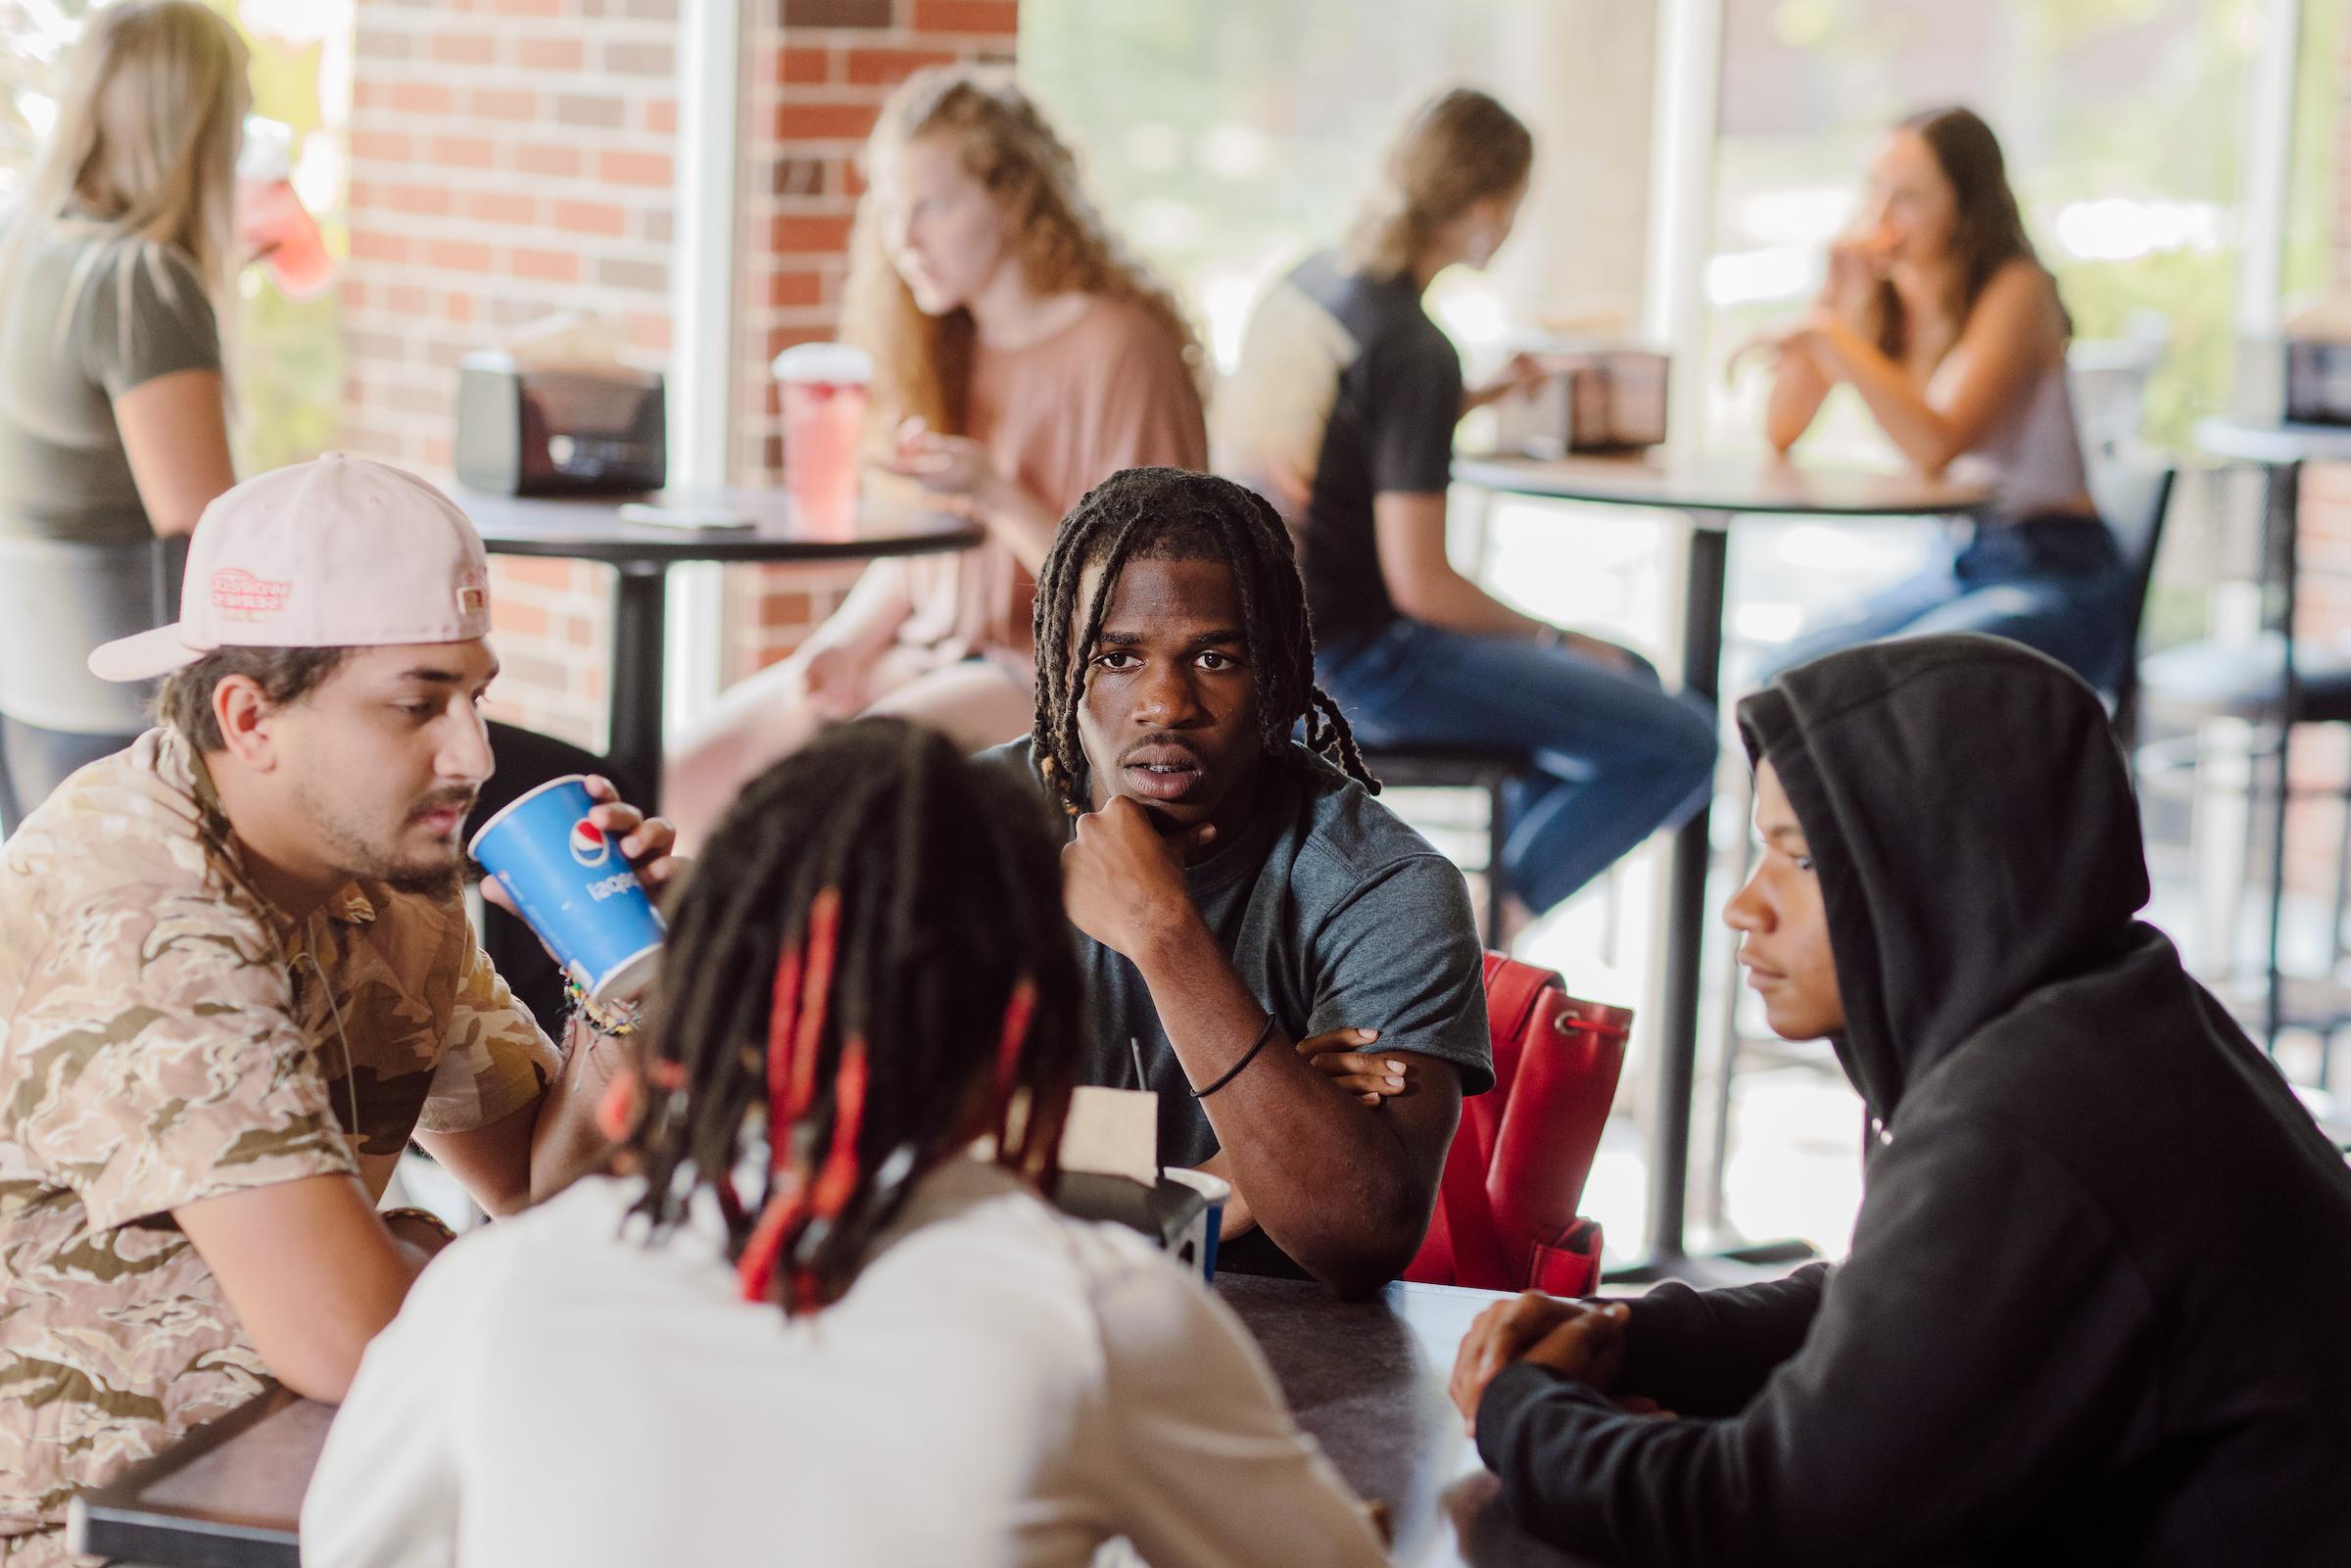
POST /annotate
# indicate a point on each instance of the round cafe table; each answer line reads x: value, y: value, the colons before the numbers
x: 641, y: 554
x: 1710, y: 493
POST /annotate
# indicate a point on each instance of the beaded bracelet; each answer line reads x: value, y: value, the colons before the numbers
x: 615, y: 1020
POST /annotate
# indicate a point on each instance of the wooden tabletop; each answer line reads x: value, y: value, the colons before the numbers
x: 1724, y: 485
x: 592, y: 529
x: 1366, y: 1378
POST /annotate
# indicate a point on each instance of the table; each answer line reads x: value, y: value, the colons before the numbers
x: 641, y: 554
x: 1711, y: 492
x: 1366, y: 1378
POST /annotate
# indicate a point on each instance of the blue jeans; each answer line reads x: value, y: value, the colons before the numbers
x: 1614, y: 756
x: 2057, y: 584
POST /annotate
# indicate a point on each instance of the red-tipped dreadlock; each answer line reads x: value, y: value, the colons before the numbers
x: 884, y: 904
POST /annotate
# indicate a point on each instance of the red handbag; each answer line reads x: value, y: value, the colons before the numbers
x: 1505, y: 1217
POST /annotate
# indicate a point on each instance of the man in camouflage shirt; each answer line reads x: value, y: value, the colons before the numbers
x: 236, y: 976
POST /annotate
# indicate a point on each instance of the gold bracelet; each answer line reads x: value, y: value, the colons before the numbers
x: 423, y: 1217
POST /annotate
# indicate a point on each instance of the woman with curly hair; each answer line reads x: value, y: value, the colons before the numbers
x: 1021, y: 357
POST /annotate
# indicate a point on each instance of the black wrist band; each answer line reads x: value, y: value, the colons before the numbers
x: 1233, y: 1072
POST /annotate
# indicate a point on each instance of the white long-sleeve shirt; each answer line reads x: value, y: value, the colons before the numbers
x: 1001, y: 1385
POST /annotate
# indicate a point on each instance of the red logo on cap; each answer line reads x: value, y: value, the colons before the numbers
x: 474, y: 593
x: 239, y: 595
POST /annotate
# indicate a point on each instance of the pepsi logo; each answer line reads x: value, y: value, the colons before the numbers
x: 587, y: 845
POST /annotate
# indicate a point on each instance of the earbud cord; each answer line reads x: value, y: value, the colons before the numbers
x: 350, y: 1085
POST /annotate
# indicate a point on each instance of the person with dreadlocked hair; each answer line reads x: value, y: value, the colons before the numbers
x: 1250, y: 914
x: 824, y: 1311
x: 1343, y: 407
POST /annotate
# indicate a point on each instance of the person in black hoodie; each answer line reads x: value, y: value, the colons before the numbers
x: 2098, y: 1303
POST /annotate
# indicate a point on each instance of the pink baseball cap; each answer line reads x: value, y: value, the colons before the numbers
x: 337, y: 553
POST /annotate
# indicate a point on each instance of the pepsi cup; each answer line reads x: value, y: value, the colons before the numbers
x: 1215, y: 1191
x: 574, y: 887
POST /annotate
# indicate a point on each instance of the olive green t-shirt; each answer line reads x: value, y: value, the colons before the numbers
x: 63, y: 471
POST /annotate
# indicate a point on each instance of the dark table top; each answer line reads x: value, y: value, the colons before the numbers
x: 592, y: 530
x: 1753, y: 485
x: 1366, y: 1378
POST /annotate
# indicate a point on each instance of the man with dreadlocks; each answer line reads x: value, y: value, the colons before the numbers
x: 1250, y: 913
x: 824, y: 1330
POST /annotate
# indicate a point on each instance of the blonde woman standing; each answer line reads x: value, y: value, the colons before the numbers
x: 1021, y: 357
x: 1342, y: 411
x: 116, y: 267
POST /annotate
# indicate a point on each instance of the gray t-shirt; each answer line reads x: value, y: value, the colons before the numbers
x: 63, y: 471
x: 1337, y: 916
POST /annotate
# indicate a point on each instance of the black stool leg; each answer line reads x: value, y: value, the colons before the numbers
x: 1497, y: 825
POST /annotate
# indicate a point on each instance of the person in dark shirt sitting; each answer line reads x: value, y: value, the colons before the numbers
x: 1249, y: 914
x: 2095, y: 1307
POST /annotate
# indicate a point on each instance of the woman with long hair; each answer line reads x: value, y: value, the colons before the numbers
x: 1937, y: 313
x: 1342, y: 411
x: 118, y: 264
x: 1021, y: 357
x: 829, y: 1315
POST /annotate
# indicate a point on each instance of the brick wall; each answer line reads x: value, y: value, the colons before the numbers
x: 514, y: 158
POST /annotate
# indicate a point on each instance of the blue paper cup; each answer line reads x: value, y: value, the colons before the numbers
x: 574, y: 887
x: 1214, y: 1189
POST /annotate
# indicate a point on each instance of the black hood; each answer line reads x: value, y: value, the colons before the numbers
x: 1974, y: 831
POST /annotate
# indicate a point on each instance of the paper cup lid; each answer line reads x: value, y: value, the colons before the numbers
x: 268, y: 154
x: 832, y: 364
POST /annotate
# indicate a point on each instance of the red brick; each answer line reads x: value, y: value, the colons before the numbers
x: 504, y: 103
x: 661, y: 116
x: 966, y: 16
x: 795, y: 288
x: 464, y: 48
x: 462, y: 152
x: 823, y: 121
x: 634, y: 168
x: 528, y: 8
x: 417, y: 98
x: 374, y: 245
x: 550, y: 54
x: 368, y: 147
x: 599, y: 110
x: 457, y: 256
x: 547, y: 266
x: 874, y: 67
x: 406, y: 298
x: 591, y: 217
x: 457, y: 306
x: 801, y: 67
x: 509, y: 618
x: 801, y: 234
x: 534, y: 158
x: 534, y: 573
x: 431, y: 200
x: 500, y: 206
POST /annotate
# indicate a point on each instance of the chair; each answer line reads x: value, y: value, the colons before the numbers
x: 1443, y: 766
x: 527, y: 759
x: 1505, y: 1217
x: 2264, y: 686
x: 2134, y: 497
